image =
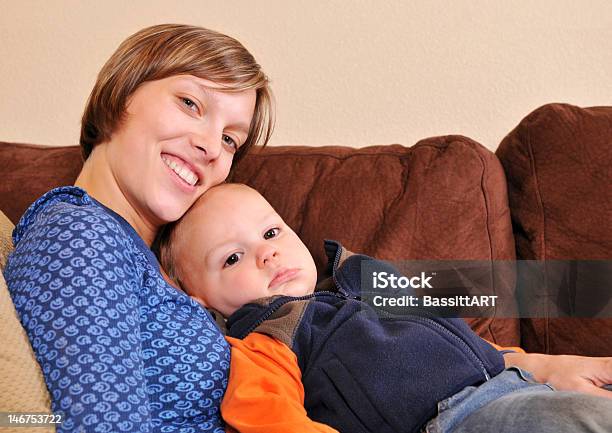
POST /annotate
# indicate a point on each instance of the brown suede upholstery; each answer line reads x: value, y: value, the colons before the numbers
x: 558, y: 161
x: 31, y: 170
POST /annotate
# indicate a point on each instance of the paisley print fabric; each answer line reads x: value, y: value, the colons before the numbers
x: 120, y: 349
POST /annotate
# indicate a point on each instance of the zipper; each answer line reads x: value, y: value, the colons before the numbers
x: 285, y: 300
x: 335, y: 266
x: 339, y: 288
x: 458, y: 338
x: 445, y: 330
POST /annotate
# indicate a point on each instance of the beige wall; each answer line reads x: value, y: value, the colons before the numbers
x: 345, y: 72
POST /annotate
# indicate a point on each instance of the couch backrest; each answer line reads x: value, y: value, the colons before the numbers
x: 559, y: 166
x: 558, y: 161
x: 31, y: 170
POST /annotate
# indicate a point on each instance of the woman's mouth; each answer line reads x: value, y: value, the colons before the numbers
x: 181, y: 169
x: 282, y: 276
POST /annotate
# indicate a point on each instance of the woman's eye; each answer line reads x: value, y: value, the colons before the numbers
x: 272, y: 233
x: 230, y: 142
x: 189, y: 104
x: 232, y: 260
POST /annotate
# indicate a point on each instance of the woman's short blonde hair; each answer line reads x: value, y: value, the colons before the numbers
x: 166, y: 50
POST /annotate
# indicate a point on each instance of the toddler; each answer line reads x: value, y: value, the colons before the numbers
x: 315, y: 358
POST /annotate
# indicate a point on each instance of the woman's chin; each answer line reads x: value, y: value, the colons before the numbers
x: 171, y: 211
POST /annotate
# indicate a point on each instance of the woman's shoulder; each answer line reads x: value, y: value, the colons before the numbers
x: 69, y: 216
x: 59, y: 207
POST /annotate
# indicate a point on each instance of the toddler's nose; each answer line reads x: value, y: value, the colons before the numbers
x: 266, y: 254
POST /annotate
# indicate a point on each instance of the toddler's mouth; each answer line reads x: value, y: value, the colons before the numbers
x: 282, y: 276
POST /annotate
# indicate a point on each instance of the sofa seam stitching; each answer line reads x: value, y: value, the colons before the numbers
x: 542, y: 237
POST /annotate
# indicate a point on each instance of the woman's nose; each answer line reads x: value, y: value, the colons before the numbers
x: 266, y: 254
x: 208, y: 144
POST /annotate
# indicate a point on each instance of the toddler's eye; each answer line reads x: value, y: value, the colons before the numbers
x: 272, y: 233
x: 232, y: 259
x: 229, y: 141
x: 189, y: 104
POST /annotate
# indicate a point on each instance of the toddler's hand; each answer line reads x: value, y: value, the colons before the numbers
x: 567, y: 372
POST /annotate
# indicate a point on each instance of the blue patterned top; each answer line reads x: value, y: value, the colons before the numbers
x: 120, y: 349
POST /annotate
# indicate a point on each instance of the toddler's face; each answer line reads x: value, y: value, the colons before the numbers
x: 234, y: 248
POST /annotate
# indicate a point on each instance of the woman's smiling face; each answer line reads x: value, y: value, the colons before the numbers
x: 177, y: 139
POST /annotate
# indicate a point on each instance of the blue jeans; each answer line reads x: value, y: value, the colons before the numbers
x: 512, y: 402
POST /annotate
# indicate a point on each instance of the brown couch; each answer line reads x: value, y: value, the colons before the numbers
x: 546, y: 193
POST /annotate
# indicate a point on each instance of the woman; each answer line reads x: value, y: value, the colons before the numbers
x: 122, y: 349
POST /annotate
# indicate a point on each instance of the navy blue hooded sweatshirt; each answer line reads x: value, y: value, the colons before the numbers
x: 364, y: 371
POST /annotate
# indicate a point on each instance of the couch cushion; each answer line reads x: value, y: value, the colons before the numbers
x: 22, y: 386
x: 558, y: 162
x: 33, y: 171
x: 444, y: 198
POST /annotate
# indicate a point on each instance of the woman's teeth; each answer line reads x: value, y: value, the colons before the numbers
x: 182, y: 171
